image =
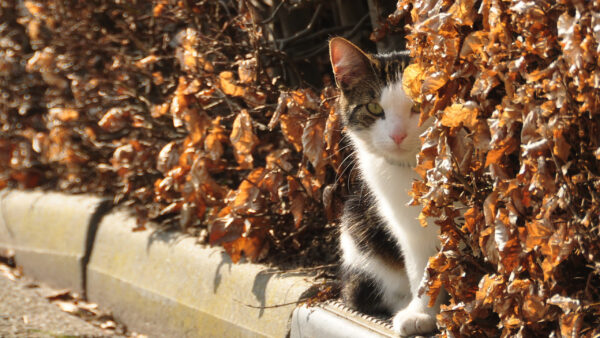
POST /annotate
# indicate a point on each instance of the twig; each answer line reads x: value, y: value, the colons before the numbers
x: 303, y: 32
x: 271, y: 306
x: 324, y: 46
x: 273, y: 14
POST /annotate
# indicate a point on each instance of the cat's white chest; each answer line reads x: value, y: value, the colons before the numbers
x: 390, y: 184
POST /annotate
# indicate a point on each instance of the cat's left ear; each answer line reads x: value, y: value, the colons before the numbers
x: 351, y: 65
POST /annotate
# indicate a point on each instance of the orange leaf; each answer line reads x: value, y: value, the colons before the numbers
x: 494, y: 155
x: 313, y: 142
x: 460, y: 114
x: 570, y: 324
x: 490, y: 288
x: 561, y: 147
x: 114, y: 120
x: 248, y: 199
x: 243, y: 139
x: 292, y: 127
x: 251, y: 247
x: 227, y: 84
x: 433, y: 82
x: 463, y: 12
x: 213, y: 143
x: 412, y: 80
x: 64, y: 114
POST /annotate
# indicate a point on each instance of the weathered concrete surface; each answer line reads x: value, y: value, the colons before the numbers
x: 50, y: 233
x: 164, y: 284
x: 5, y: 234
x: 24, y: 312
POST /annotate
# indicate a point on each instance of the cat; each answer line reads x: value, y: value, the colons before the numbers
x: 384, y: 248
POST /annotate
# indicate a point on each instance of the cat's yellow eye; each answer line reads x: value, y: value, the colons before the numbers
x: 374, y: 108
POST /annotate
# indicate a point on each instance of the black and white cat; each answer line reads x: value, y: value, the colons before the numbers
x: 384, y: 248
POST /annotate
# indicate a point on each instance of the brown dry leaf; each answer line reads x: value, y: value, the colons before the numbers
x: 534, y: 308
x: 313, y: 142
x: 490, y: 288
x: 114, y: 120
x: 167, y: 157
x: 179, y: 104
x: 64, y: 114
x: 197, y: 124
x: 213, y: 144
x: 460, y: 114
x: 159, y: 7
x: 279, y: 159
x: 148, y: 60
x: 305, y: 98
x: 68, y: 307
x: 537, y: 235
x: 561, y: 147
x: 463, y: 11
x: 412, y: 81
x: 249, y: 199
x: 249, y: 247
x: 243, y: 139
x: 495, y: 155
x: 433, y: 81
x: 274, y: 182
x: 570, y: 324
x: 247, y: 71
x: 292, y: 126
x: 228, y: 85
x: 297, y: 200
x: 225, y: 227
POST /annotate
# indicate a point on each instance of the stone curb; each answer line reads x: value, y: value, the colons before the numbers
x: 50, y: 233
x: 158, y: 283
x: 168, y: 285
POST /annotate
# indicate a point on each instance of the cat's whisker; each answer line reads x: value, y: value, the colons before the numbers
x: 339, y: 150
x: 352, y: 162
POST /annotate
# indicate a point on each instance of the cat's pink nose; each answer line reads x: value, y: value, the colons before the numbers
x: 398, y: 138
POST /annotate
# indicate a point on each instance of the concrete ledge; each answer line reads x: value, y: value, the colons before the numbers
x: 334, y: 320
x: 50, y: 233
x: 165, y: 284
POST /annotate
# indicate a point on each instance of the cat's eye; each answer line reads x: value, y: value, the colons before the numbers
x: 416, y: 108
x: 374, y: 108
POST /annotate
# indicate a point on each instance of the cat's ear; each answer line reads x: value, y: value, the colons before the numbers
x: 351, y: 65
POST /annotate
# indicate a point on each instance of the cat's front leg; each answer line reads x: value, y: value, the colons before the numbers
x: 418, y: 317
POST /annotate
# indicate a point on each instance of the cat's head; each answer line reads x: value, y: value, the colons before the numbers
x: 376, y: 111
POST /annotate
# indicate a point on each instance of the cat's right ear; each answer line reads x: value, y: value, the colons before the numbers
x: 350, y: 64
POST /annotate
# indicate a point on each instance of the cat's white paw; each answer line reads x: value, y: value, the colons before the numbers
x: 409, y: 322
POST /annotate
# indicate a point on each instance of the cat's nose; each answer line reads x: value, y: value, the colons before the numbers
x: 398, y: 138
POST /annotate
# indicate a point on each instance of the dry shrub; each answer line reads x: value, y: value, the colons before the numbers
x: 511, y: 168
x: 181, y: 110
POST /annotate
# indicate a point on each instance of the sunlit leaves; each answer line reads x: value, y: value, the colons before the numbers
x: 171, y: 108
x: 516, y: 146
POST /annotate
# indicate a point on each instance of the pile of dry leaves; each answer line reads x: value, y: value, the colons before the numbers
x: 511, y: 169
